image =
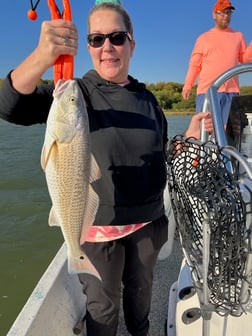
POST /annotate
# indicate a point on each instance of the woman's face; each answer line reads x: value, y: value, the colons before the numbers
x: 110, y: 61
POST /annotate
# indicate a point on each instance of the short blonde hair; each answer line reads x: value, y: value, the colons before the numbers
x: 117, y: 8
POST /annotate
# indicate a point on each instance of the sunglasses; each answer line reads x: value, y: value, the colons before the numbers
x: 225, y: 12
x: 97, y: 40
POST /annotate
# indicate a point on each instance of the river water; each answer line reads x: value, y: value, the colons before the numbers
x: 27, y: 243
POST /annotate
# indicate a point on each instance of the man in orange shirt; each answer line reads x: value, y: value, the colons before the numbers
x: 214, y: 52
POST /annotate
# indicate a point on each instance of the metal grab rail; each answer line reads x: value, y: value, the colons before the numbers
x: 211, y: 102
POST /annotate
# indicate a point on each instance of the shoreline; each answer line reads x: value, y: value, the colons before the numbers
x: 178, y: 113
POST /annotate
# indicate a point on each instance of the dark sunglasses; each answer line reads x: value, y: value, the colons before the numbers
x: 97, y: 40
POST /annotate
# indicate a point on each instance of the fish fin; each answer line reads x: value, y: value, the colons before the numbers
x: 95, y: 173
x: 53, y: 219
x: 45, y: 154
x: 91, y: 208
x: 82, y: 265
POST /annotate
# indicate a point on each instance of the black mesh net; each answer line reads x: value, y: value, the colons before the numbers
x: 210, y: 188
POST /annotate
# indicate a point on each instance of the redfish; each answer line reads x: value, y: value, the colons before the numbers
x: 70, y: 168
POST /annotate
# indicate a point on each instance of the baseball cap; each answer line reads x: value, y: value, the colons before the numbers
x: 223, y: 4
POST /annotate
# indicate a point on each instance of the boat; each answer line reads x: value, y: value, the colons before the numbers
x: 57, y: 305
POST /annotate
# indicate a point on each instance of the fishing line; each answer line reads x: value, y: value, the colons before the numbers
x: 33, y: 7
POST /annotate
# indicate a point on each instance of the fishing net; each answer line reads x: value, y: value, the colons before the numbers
x: 211, y: 199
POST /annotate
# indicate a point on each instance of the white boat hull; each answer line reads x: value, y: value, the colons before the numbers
x: 56, y: 304
x: 185, y: 314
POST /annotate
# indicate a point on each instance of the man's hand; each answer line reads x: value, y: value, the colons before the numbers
x: 195, y: 125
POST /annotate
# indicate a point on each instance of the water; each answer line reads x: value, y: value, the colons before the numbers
x: 27, y: 243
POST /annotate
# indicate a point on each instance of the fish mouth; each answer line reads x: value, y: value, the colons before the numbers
x: 61, y: 85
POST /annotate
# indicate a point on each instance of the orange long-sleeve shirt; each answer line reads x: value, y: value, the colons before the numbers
x: 214, y: 52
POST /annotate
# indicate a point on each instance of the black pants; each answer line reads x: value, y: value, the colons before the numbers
x: 129, y: 261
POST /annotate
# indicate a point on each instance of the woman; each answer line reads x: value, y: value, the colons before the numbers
x: 128, y: 134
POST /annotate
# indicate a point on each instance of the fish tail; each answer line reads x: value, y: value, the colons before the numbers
x: 82, y: 265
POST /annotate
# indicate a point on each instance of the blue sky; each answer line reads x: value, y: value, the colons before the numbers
x: 165, y: 32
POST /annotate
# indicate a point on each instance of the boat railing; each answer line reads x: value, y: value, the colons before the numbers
x: 211, y: 102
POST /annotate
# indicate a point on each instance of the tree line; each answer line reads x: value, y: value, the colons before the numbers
x: 169, y: 96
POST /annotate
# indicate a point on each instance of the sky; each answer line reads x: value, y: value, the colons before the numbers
x: 165, y: 32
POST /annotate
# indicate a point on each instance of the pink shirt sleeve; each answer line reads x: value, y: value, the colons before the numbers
x: 215, y: 52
